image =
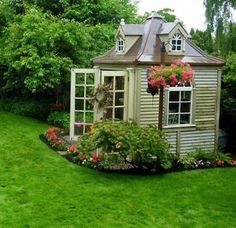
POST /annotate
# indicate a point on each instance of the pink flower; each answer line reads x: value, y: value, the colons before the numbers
x: 178, y: 62
x: 173, y: 79
x: 160, y: 81
x: 187, y: 75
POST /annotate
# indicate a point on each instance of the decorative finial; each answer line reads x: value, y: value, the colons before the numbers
x: 122, y: 21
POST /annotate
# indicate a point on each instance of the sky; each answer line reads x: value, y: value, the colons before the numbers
x: 192, y: 14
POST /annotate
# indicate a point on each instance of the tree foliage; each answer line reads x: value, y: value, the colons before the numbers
x: 167, y: 14
x: 41, y: 40
x: 218, y: 10
x: 40, y: 50
x: 203, y: 39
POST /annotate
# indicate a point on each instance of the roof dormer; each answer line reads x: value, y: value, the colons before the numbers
x: 126, y: 36
x: 174, y: 35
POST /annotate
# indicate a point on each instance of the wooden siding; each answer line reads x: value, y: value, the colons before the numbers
x: 206, y: 99
x: 192, y: 140
x: 172, y: 139
x: 205, y: 106
x: 148, y: 113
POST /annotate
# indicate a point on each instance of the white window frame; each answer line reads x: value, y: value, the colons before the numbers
x: 115, y: 74
x: 120, y: 45
x: 84, y: 98
x: 192, y: 106
x: 175, y: 38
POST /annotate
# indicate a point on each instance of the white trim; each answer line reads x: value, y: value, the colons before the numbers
x: 191, y: 115
x: 73, y: 98
x: 125, y: 91
x: 120, y: 48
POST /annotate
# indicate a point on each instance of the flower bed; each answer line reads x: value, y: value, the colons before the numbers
x: 112, y: 161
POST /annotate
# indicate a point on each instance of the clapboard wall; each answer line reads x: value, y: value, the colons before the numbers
x: 203, y: 135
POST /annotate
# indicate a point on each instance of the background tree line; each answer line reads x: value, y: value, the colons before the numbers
x: 40, y: 41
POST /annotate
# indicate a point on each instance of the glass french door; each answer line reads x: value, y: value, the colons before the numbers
x: 117, y: 106
x: 83, y: 84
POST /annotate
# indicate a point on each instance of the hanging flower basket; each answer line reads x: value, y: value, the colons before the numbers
x: 177, y: 74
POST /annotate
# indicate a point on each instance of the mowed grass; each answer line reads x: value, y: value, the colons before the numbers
x: 38, y: 188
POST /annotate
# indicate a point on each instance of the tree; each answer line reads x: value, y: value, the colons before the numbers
x: 219, y: 10
x: 167, y: 14
x: 203, y: 39
x: 40, y: 50
x: 228, y: 99
x: 219, y: 17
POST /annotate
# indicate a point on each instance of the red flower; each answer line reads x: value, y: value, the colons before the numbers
x: 219, y: 162
x: 95, y: 158
x: 233, y: 162
x: 72, y: 148
x: 52, y: 135
x: 58, y: 142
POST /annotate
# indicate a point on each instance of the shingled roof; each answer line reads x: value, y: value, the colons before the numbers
x: 146, y: 50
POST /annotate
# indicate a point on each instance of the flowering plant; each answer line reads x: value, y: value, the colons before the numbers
x: 177, y: 74
x: 54, y: 139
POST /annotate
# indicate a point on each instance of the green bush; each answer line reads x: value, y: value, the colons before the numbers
x: 59, y: 119
x: 124, y: 142
x: 26, y: 107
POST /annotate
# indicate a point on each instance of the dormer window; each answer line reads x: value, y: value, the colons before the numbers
x: 177, y: 43
x: 120, y: 45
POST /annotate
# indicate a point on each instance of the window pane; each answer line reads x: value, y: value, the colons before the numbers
x: 173, y: 107
x: 178, y: 48
x: 79, y: 91
x: 79, y: 104
x: 119, y: 113
x: 185, y: 107
x: 174, y: 96
x: 89, y: 105
x: 79, y: 117
x: 89, y: 117
x: 119, y: 99
x: 109, y: 80
x: 186, y: 96
x: 178, y: 42
x: 89, y: 91
x: 108, y: 113
x: 120, y: 83
x: 185, y: 119
x: 78, y: 129
x: 173, y: 119
x: 88, y: 128
x: 79, y: 79
x: 90, y: 79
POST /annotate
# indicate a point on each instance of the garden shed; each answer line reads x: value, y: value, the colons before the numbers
x: 118, y: 86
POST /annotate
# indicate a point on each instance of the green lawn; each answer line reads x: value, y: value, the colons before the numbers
x: 38, y: 188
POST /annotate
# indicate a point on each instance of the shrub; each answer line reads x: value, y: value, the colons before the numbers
x: 26, y: 107
x: 126, y: 143
x: 204, y: 159
x: 59, y: 119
